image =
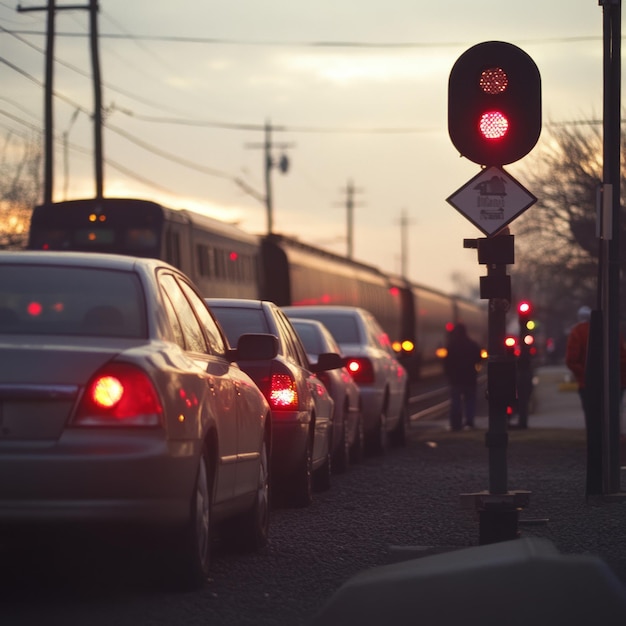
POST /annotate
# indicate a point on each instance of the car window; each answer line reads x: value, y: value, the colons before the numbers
x: 310, y: 337
x: 237, y: 321
x: 378, y: 336
x: 344, y: 328
x: 293, y: 346
x: 63, y: 300
x: 216, y: 341
x: 190, y: 326
x: 177, y: 330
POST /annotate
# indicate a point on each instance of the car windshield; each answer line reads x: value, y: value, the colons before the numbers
x: 236, y: 322
x: 56, y: 300
x: 343, y: 328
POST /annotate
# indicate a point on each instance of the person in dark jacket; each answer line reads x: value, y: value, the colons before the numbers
x: 461, y: 368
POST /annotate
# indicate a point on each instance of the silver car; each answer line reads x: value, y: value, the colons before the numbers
x: 348, y: 440
x: 121, y: 404
x: 382, y: 380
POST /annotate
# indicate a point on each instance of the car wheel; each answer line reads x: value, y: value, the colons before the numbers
x: 321, y: 476
x: 399, y: 435
x: 191, y: 549
x: 357, y: 450
x: 250, y: 531
x: 341, y: 458
x: 300, y: 487
x: 377, y: 440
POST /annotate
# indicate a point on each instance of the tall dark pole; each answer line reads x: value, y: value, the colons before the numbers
x: 268, y: 178
x: 97, y: 100
x: 611, y: 299
x: 48, y: 116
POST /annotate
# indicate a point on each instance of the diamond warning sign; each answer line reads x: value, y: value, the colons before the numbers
x: 491, y: 200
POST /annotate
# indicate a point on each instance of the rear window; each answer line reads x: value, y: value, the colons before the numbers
x: 343, y: 328
x: 56, y: 300
x: 236, y: 322
x: 310, y: 338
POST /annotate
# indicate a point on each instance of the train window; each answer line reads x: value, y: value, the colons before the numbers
x: 140, y: 238
x: 172, y: 247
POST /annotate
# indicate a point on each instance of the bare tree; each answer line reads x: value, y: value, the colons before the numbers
x: 557, y: 248
x: 20, y: 187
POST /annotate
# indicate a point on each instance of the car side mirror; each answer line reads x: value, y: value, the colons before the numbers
x: 255, y: 347
x: 328, y: 361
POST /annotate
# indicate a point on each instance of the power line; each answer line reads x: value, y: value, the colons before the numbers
x: 311, y: 44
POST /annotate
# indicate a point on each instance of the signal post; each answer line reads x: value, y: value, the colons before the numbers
x: 494, y: 118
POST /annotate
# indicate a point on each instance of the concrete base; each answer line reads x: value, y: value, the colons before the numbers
x: 517, y: 583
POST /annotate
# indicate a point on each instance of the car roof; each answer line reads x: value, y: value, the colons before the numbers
x: 241, y: 303
x: 78, y: 259
x: 310, y: 322
x: 326, y: 308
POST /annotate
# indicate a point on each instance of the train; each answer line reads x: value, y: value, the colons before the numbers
x: 226, y: 261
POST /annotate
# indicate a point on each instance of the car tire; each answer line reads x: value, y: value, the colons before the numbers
x: 299, y: 492
x: 377, y: 440
x: 250, y: 532
x: 341, y: 458
x: 400, y: 432
x: 191, y: 548
x: 357, y: 450
x: 322, y: 475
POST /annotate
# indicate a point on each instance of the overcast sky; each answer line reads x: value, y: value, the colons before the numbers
x: 356, y: 91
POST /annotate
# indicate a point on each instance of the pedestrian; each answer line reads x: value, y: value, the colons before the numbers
x: 576, y: 356
x: 461, y: 366
x: 577, y: 349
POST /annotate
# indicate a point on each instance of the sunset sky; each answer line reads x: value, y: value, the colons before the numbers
x: 355, y: 90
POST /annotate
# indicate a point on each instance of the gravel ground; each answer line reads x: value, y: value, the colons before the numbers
x: 410, y: 498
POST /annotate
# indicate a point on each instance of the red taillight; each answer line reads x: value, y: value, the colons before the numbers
x: 120, y: 395
x: 362, y: 370
x: 283, y: 392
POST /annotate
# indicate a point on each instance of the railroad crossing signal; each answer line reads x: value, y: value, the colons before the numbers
x: 494, y: 103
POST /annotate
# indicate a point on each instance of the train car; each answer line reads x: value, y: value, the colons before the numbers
x: 296, y: 274
x: 219, y: 257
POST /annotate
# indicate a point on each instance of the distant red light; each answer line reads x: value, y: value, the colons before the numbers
x: 34, y: 309
x: 233, y: 256
x: 394, y: 291
x: 449, y: 327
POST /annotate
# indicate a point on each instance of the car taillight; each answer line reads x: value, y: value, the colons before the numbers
x: 283, y: 392
x: 362, y: 370
x: 119, y: 395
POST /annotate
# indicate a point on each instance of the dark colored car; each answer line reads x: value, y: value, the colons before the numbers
x: 382, y: 380
x: 302, y: 408
x: 347, y: 441
x: 121, y: 405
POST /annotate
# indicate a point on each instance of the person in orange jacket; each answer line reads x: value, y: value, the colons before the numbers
x: 576, y: 355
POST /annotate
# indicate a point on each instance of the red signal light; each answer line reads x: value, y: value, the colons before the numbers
x: 523, y: 307
x: 493, y: 125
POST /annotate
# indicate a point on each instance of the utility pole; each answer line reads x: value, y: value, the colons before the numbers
x: 97, y: 98
x: 404, y: 247
x: 51, y: 8
x: 611, y: 194
x: 269, y: 162
x: 350, y: 191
